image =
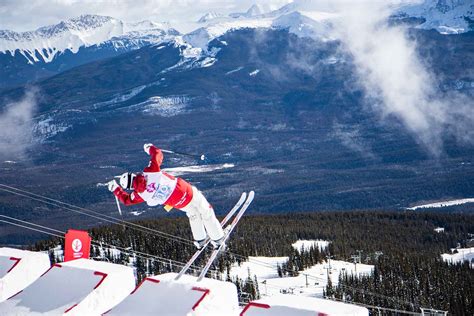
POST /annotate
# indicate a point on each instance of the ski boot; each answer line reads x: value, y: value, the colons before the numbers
x: 199, y: 243
x: 217, y: 243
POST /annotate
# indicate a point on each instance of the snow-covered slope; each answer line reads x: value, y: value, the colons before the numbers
x: 445, y: 16
x: 283, y: 305
x: 296, y: 19
x: 460, y: 255
x: 162, y: 294
x: 18, y: 269
x: 443, y: 203
x: 79, y: 287
x: 202, y: 36
x: 310, y: 282
x: 87, y: 30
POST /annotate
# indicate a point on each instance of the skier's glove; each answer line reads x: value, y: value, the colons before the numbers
x: 112, y: 185
x: 147, y: 147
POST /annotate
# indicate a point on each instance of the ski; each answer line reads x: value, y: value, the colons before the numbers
x: 231, y: 227
x: 208, y: 240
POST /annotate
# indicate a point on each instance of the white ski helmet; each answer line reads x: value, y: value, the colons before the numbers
x: 126, y: 180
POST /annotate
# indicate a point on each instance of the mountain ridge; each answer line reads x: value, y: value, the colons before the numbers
x: 72, y: 34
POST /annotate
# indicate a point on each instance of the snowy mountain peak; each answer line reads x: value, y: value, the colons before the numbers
x: 86, y: 30
x: 85, y: 22
x: 81, y: 23
x: 255, y: 10
x: 209, y: 16
x: 445, y: 16
x: 146, y: 25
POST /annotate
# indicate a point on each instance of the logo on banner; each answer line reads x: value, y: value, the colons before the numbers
x: 77, y: 245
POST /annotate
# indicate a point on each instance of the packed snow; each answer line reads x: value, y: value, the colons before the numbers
x: 185, y: 296
x: 18, y: 269
x: 80, y: 287
x: 443, y: 204
x: 263, y: 267
x: 283, y: 305
x: 459, y: 255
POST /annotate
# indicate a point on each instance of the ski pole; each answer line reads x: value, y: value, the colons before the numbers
x: 118, y: 205
x: 120, y: 211
x: 116, y: 199
x: 201, y: 157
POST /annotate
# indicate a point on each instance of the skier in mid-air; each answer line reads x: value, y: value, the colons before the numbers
x: 156, y: 187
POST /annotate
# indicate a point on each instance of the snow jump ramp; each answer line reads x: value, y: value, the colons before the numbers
x: 284, y: 305
x: 18, y: 269
x: 79, y: 287
x: 162, y: 295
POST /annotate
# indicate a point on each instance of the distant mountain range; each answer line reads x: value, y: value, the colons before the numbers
x: 29, y: 56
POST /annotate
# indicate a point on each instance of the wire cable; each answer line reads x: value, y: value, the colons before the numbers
x: 31, y: 228
x: 98, y: 243
x: 84, y: 211
x: 31, y: 223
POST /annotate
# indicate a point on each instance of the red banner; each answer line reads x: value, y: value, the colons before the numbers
x: 77, y: 245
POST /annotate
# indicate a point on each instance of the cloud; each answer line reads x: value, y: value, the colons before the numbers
x: 16, y: 121
x: 397, y: 82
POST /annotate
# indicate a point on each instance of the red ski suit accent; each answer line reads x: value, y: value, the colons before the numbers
x: 179, y: 198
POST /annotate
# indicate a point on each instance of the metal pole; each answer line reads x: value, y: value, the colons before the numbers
x: 360, y: 256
